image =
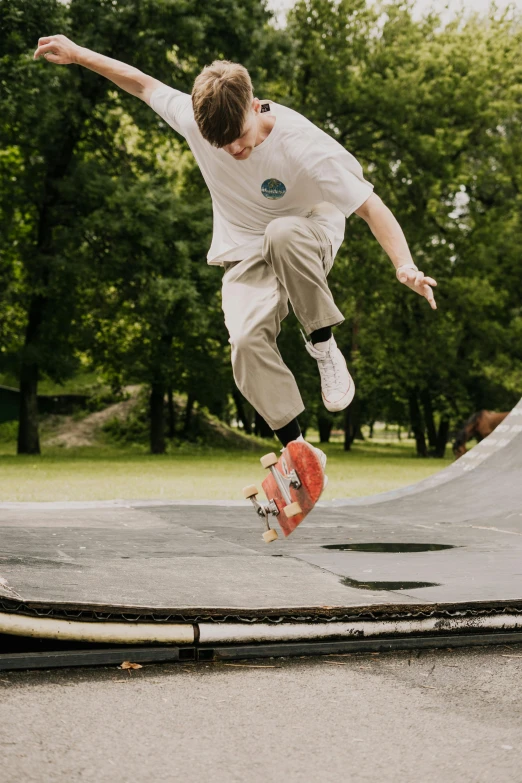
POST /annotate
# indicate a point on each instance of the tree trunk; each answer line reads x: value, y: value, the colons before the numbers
x: 157, y: 419
x: 262, y: 428
x: 442, y: 437
x: 241, y: 415
x: 371, y: 429
x: 188, y: 414
x: 28, y: 439
x: 417, y: 425
x: 352, y: 424
x: 428, y: 418
x: 324, y: 424
x: 399, y: 432
x: 171, y: 413
x: 348, y: 429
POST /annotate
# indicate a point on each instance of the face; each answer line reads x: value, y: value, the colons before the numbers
x: 241, y: 148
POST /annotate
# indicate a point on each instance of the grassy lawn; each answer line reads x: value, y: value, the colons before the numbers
x: 192, y: 473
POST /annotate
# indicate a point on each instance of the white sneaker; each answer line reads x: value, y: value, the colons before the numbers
x: 337, y: 386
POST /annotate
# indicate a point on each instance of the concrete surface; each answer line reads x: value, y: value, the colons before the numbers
x: 189, y: 560
x: 446, y: 716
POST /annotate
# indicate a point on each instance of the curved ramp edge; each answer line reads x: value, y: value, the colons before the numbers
x: 505, y: 433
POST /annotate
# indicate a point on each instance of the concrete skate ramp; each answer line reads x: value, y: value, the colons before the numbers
x: 448, y: 544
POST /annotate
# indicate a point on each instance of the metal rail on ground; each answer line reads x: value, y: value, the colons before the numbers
x: 200, y: 653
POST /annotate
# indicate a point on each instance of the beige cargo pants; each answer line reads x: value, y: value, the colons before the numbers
x: 293, y: 264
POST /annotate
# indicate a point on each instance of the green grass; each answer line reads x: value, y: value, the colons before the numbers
x: 192, y: 473
x: 82, y: 383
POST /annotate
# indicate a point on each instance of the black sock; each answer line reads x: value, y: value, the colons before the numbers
x: 321, y: 335
x: 290, y: 431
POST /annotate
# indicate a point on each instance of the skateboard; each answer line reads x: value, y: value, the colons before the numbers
x: 292, y: 488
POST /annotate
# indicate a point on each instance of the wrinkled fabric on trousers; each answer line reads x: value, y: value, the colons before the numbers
x: 291, y: 268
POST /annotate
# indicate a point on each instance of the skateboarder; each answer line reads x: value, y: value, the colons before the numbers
x: 281, y: 191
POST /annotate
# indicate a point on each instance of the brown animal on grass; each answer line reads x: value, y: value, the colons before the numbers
x: 479, y: 426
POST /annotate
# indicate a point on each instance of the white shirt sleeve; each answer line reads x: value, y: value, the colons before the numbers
x: 341, y: 187
x: 337, y: 173
x: 174, y: 106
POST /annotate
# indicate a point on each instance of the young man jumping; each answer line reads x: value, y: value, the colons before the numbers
x: 281, y: 191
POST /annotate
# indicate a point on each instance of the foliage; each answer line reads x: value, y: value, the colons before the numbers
x: 432, y: 113
x: 101, y: 252
x: 106, y: 219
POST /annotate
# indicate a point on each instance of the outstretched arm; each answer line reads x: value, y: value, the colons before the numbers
x: 390, y: 236
x: 61, y: 50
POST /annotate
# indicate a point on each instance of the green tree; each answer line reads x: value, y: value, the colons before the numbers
x: 62, y: 125
x: 432, y: 113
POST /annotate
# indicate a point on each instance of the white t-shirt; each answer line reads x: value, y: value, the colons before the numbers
x: 297, y: 170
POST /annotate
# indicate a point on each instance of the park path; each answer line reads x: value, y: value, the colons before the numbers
x: 72, y: 432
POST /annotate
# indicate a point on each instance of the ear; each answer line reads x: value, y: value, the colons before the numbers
x: 256, y: 105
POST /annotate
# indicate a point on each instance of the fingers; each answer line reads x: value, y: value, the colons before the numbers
x: 412, y: 277
x: 419, y: 283
x: 45, y: 43
x: 428, y: 293
x: 407, y: 276
x: 423, y: 285
x: 419, y: 279
x: 44, y: 48
x: 41, y: 42
x: 423, y: 282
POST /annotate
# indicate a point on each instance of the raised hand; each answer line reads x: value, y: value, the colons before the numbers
x: 57, y: 49
x: 418, y: 282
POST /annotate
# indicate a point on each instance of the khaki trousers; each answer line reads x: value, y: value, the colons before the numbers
x: 293, y: 264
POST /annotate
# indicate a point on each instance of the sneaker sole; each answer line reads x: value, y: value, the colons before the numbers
x: 343, y: 403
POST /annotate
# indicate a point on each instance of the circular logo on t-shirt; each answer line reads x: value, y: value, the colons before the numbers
x: 273, y: 188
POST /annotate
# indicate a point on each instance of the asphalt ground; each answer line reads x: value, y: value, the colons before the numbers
x: 448, y: 715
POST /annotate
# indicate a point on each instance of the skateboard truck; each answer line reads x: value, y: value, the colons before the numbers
x: 283, y: 481
x: 263, y: 511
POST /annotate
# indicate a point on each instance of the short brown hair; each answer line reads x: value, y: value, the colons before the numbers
x: 221, y: 97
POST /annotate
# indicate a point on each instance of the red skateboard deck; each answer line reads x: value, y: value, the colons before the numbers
x: 301, y: 480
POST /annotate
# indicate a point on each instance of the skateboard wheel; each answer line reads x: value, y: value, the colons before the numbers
x: 293, y: 509
x: 269, y: 459
x: 250, y: 491
x: 269, y: 536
